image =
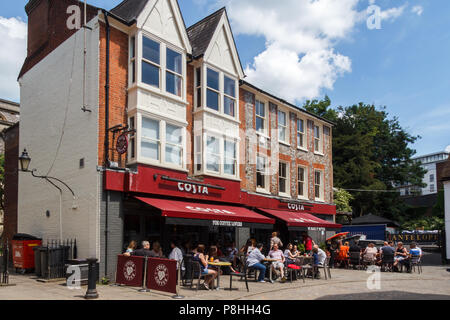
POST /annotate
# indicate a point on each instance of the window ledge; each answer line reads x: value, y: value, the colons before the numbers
x: 159, y: 164
x: 264, y: 191
x: 319, y: 154
x: 158, y: 92
x: 284, y: 195
x: 319, y: 200
x: 262, y: 135
x: 302, y: 198
x: 217, y: 113
x: 302, y: 149
x: 284, y: 143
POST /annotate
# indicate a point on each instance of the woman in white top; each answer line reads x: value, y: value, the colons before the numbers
x: 370, y: 253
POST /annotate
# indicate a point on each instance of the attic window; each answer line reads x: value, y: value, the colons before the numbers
x: 150, y: 62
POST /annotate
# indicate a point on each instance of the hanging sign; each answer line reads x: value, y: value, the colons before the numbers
x: 122, y: 143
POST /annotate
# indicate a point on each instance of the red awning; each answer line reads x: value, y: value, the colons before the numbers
x: 189, y: 210
x: 301, y: 219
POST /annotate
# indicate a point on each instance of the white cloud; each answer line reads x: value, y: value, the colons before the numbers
x: 13, y: 32
x: 300, y: 58
x: 417, y: 10
x: 447, y: 149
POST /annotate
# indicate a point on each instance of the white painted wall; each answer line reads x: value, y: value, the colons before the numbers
x: 47, y: 91
x: 447, y: 215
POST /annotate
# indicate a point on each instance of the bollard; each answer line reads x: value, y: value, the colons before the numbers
x: 178, y: 296
x: 144, y: 285
x: 91, y: 292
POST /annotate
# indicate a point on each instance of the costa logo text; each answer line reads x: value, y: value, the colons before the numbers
x: 192, y: 188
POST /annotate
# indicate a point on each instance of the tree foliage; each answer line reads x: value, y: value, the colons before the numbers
x: 425, y: 223
x: 342, y: 200
x: 370, y: 152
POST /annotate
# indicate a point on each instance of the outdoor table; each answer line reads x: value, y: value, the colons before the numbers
x: 219, y: 265
x: 268, y: 260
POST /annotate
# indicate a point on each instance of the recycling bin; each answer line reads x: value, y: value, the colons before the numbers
x: 22, y: 251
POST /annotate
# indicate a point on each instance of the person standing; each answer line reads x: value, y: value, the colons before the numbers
x: 254, y: 261
x: 308, y: 242
x: 275, y: 240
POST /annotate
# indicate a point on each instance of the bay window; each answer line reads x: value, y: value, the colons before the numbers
x: 282, y: 126
x: 198, y: 87
x: 161, y: 142
x: 133, y: 59
x: 260, y: 112
x: 213, y: 90
x: 132, y: 138
x: 221, y: 155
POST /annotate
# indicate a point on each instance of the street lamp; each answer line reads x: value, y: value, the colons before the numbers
x: 25, y: 161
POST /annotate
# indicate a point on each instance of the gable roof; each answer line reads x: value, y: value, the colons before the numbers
x: 201, y: 33
x: 129, y: 10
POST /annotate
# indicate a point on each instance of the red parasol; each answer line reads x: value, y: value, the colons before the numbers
x: 337, y: 235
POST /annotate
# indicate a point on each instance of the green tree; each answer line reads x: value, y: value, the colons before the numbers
x: 342, y: 200
x: 370, y: 152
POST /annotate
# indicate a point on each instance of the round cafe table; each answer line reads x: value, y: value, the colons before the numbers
x: 269, y: 261
x: 219, y: 265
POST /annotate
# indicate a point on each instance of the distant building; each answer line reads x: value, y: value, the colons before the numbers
x: 445, y: 179
x: 430, y: 163
x: 9, y: 115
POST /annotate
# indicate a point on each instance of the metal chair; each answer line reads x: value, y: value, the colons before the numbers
x: 242, y: 274
x: 355, y: 259
x: 387, y: 261
x: 305, y: 267
x: 415, y: 261
x: 326, y: 268
x: 197, y: 273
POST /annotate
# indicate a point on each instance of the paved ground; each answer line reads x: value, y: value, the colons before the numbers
x: 433, y: 283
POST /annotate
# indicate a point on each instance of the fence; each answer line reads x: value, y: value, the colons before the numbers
x: 51, y: 258
x: 4, y: 262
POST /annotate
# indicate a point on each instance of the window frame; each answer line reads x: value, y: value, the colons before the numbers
x: 225, y: 95
x: 287, y: 192
x: 302, y: 134
x: 265, y: 119
x: 319, y: 139
x: 180, y: 75
x: 321, y: 186
x: 162, y: 142
x: 265, y: 173
x: 213, y: 90
x: 144, y: 60
x: 286, y: 127
x: 305, y: 182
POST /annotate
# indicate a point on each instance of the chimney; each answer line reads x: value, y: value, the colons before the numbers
x: 38, y: 24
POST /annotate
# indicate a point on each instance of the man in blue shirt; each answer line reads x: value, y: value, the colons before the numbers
x: 254, y: 261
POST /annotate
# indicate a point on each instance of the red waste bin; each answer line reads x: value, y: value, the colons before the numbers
x: 22, y: 251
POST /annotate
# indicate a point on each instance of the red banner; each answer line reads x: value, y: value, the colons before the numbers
x: 130, y: 271
x: 162, y: 275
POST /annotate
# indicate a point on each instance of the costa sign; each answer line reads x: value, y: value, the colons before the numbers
x: 130, y: 271
x: 192, y: 188
x: 122, y: 144
x: 296, y: 207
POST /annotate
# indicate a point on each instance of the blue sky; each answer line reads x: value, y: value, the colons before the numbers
x: 403, y: 66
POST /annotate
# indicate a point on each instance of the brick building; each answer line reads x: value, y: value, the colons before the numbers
x: 175, y: 145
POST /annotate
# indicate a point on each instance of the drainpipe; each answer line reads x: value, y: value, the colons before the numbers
x: 105, y: 13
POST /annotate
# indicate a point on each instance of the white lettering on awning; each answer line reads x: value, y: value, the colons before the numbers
x: 210, y: 210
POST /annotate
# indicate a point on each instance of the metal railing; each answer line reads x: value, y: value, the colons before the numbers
x: 4, y: 262
x: 52, y: 256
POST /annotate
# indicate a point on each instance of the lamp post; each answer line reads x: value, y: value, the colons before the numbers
x: 25, y: 161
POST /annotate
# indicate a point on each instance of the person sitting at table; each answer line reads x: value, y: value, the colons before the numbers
x: 278, y: 255
x: 370, y: 253
x: 143, y: 252
x: 156, y: 251
x: 290, y: 254
x: 319, y: 257
x: 400, y: 255
x: 131, y: 247
x: 176, y: 254
x: 254, y: 261
x: 231, y: 253
x: 414, y: 251
x: 201, y: 258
